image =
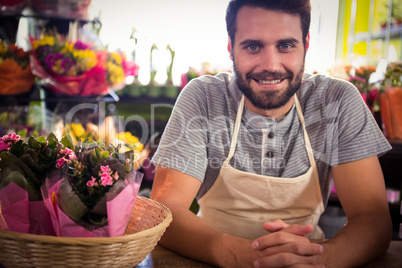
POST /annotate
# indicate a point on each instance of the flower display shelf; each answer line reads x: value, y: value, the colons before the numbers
x: 147, y: 224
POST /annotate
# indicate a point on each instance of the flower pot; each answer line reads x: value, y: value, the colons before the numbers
x: 391, y: 112
x: 135, y: 90
x: 171, y: 91
x: 153, y: 91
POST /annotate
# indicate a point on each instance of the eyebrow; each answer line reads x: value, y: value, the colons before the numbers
x: 250, y: 41
x: 258, y: 42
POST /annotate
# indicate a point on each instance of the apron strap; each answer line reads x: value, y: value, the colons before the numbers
x: 236, y: 129
x: 308, y: 148
x: 301, y: 118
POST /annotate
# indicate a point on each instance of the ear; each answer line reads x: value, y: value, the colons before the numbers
x: 230, y: 48
x: 307, y: 41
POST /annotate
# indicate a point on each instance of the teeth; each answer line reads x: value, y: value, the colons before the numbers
x: 269, y: 82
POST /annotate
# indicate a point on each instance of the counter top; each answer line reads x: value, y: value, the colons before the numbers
x: 164, y: 258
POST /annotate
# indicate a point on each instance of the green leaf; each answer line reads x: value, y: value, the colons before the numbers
x: 67, y: 142
x: 41, y: 140
x: 52, y: 143
x: 22, y: 132
x: 51, y: 136
x: 18, y: 148
x: 104, y: 155
x: 32, y: 143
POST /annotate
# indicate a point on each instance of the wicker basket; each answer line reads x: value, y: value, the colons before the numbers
x: 148, y: 222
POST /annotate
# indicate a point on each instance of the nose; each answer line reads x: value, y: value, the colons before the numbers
x: 270, y: 60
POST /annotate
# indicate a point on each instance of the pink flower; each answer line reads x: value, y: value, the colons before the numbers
x: 373, y: 95
x: 184, y: 80
x: 4, y: 146
x: 14, y: 137
x: 60, y: 162
x: 106, y: 180
x: 105, y: 169
x: 92, y: 182
x: 10, y: 138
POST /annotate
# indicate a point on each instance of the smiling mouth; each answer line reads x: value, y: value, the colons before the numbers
x: 269, y: 82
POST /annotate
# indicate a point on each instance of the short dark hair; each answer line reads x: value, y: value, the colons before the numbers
x: 301, y: 8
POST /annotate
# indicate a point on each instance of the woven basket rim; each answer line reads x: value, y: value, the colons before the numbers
x: 93, y: 240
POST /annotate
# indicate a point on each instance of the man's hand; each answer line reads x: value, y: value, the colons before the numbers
x: 286, y: 246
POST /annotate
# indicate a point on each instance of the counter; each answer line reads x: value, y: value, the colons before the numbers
x: 164, y: 258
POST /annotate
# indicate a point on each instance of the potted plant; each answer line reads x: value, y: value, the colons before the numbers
x: 396, y: 14
x: 391, y: 100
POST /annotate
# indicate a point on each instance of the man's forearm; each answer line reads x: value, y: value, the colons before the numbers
x: 189, y: 236
x: 361, y: 240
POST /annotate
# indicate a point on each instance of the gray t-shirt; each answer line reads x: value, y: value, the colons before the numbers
x: 197, y: 137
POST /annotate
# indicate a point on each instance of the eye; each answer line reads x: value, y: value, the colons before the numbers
x: 285, y: 46
x: 253, y: 47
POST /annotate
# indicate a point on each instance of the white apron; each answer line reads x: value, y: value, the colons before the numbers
x: 239, y: 202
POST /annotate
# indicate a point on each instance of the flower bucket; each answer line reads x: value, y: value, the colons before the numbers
x: 391, y: 112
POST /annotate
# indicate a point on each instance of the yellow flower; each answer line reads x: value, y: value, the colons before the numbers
x: 131, y: 140
x: 43, y: 41
x: 115, y: 73
x: 86, y: 59
x: 116, y: 57
x: 78, y: 130
x: 57, y: 67
x: 68, y: 47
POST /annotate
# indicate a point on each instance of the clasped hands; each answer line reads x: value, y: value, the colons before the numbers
x: 286, y: 246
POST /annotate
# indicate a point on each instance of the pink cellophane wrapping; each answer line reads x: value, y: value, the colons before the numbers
x: 92, y: 82
x: 21, y: 215
x: 39, y: 219
x: 118, y: 209
x: 15, y: 207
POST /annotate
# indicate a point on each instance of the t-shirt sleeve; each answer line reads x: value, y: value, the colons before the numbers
x: 183, y: 145
x: 358, y: 134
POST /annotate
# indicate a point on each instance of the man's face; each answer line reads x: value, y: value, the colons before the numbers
x: 268, y: 56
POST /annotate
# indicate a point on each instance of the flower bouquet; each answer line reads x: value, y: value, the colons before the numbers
x: 94, y: 191
x: 71, y: 68
x: 23, y: 169
x: 15, y: 73
x: 77, y: 68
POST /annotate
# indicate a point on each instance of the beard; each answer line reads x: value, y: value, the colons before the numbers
x: 269, y: 99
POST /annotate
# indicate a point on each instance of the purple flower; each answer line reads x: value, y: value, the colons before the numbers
x: 358, y: 78
x: 80, y: 45
x: 66, y: 64
x: 52, y: 58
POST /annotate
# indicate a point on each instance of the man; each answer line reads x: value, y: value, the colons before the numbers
x: 260, y: 150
